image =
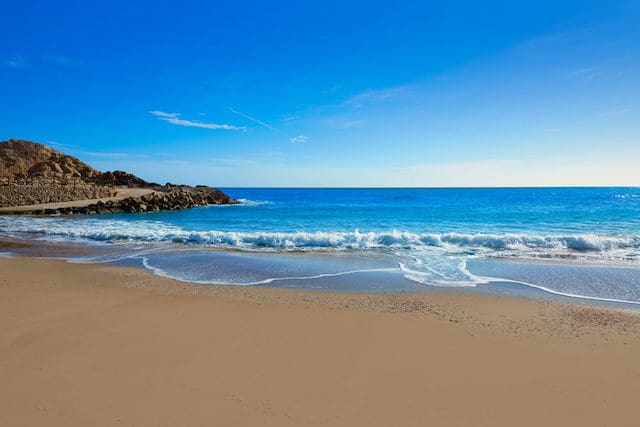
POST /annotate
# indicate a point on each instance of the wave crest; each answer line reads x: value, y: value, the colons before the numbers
x: 626, y: 246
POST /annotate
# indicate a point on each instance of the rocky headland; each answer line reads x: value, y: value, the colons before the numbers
x: 37, y: 179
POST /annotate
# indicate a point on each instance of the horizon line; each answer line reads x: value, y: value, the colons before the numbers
x: 429, y: 188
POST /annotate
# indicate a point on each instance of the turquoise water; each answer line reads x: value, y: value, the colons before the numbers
x: 428, y: 236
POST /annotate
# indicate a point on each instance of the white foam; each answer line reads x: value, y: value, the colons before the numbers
x: 163, y: 273
x: 249, y: 202
x: 413, y: 275
x: 507, y: 244
x: 555, y: 292
x: 111, y: 258
x: 445, y: 272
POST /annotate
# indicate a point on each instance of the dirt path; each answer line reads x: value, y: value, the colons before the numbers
x: 123, y: 193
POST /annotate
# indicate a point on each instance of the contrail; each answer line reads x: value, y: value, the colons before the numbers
x: 253, y: 119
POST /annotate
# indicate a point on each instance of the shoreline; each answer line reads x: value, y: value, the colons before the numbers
x: 495, y: 285
x: 97, y: 344
x: 140, y: 278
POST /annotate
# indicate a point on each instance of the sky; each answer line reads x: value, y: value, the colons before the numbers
x: 332, y: 93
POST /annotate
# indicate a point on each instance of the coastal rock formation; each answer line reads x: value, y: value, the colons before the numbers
x: 121, y: 179
x: 163, y: 199
x: 25, y: 160
x: 32, y: 173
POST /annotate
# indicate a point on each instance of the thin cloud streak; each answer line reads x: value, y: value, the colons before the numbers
x: 17, y: 62
x: 76, y: 151
x: 102, y: 154
x: 163, y: 114
x: 586, y: 74
x: 253, y: 119
x: 174, y: 119
x: 376, y: 96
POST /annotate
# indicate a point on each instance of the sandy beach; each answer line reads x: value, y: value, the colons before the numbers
x: 104, y: 345
x: 358, y: 214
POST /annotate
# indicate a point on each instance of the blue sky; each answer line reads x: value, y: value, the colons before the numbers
x: 496, y: 93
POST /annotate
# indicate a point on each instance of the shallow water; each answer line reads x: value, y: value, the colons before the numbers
x: 412, y: 237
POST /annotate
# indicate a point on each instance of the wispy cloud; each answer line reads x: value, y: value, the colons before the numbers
x: 299, y: 139
x: 586, y: 74
x: 77, y: 151
x: 375, y: 96
x: 174, y: 119
x: 253, y: 119
x: 163, y: 114
x: 18, y: 62
x: 62, y: 60
x: 102, y: 154
x: 614, y: 112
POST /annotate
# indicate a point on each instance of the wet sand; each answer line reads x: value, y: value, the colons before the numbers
x: 106, y: 345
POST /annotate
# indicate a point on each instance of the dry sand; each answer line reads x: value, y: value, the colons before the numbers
x: 101, y: 345
x: 123, y: 193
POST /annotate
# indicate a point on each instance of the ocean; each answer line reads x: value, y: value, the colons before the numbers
x: 572, y: 242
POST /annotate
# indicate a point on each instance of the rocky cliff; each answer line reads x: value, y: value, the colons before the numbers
x: 22, y: 160
x: 32, y: 173
x: 26, y: 160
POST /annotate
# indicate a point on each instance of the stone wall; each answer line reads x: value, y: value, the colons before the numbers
x: 31, y: 192
x: 163, y: 199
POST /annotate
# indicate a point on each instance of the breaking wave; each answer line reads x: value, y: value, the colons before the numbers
x: 501, y: 245
x: 249, y: 202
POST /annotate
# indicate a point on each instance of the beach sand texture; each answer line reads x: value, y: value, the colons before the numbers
x: 102, y: 345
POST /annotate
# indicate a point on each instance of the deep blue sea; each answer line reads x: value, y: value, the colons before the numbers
x: 576, y: 241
